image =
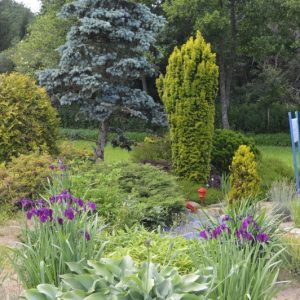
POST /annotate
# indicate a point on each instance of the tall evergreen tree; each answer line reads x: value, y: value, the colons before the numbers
x: 188, y: 91
x: 104, y: 60
x: 14, y: 18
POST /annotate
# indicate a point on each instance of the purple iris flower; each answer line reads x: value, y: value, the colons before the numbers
x: 262, y: 237
x: 226, y: 218
x: 246, y: 222
x: 91, y: 205
x: 52, y: 167
x: 203, y: 235
x: 87, y: 236
x: 27, y: 203
x: 43, y: 218
x: 217, y: 231
x: 61, y: 165
x: 60, y: 221
x: 80, y: 202
x: 29, y: 214
x: 69, y: 213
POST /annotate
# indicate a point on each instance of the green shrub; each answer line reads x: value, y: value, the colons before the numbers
x: 188, y: 92
x: 153, y: 149
x: 28, y: 121
x: 244, y: 181
x: 121, y: 279
x: 24, y: 177
x: 225, y: 144
x: 295, y: 211
x: 128, y: 193
x: 270, y: 170
x: 62, y: 229
x: 164, y: 249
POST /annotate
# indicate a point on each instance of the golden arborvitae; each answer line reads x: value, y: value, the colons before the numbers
x: 244, y: 181
x: 188, y: 92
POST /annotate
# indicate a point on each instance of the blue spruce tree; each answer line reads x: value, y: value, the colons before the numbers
x: 104, y: 61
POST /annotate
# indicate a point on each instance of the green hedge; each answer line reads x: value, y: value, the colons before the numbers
x: 275, y: 139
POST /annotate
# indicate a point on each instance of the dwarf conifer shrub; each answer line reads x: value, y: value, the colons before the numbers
x: 188, y: 91
x: 244, y: 181
x: 28, y: 121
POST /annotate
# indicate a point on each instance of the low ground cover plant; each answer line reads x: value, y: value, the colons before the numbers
x: 63, y: 228
x: 165, y: 249
x: 122, y: 279
x: 128, y: 193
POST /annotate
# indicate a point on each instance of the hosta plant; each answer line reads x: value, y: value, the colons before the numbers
x: 121, y: 279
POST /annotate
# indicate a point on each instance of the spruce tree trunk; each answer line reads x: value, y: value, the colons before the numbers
x: 144, y: 83
x: 101, y: 140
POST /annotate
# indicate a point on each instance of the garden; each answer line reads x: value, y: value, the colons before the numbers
x: 124, y: 172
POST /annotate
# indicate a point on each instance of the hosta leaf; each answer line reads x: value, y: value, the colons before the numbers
x: 190, y: 278
x: 99, y: 296
x: 76, y: 267
x: 101, y: 269
x: 73, y: 295
x: 192, y: 297
x: 86, y: 280
x: 194, y: 287
x: 164, y: 288
x: 72, y: 282
x: 49, y: 290
x: 34, y: 295
x: 127, y: 265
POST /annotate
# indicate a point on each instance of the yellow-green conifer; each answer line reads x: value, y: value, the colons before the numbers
x: 244, y: 181
x: 188, y: 92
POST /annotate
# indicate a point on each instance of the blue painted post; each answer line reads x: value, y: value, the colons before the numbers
x: 294, y: 149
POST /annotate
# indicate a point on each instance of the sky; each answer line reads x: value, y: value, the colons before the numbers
x: 34, y: 5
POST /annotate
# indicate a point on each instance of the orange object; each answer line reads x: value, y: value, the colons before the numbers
x: 192, y: 206
x: 202, y: 193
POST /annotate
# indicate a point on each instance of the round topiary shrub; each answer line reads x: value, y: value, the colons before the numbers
x: 225, y: 144
x: 28, y: 121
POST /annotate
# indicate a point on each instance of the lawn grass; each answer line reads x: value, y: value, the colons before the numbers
x: 110, y: 155
x: 276, y: 162
x: 283, y: 154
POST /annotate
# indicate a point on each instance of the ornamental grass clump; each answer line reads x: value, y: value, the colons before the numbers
x: 61, y: 229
